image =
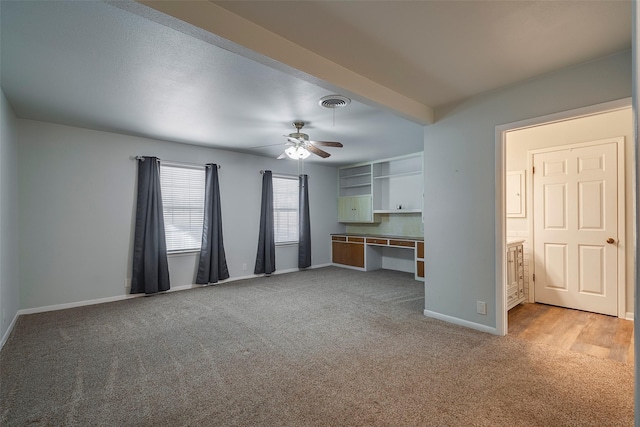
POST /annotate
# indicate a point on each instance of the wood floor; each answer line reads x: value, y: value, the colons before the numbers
x: 602, y: 336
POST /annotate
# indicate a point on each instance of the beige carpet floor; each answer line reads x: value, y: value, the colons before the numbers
x: 325, y: 347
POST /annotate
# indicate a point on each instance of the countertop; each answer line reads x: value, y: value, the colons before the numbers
x: 381, y: 236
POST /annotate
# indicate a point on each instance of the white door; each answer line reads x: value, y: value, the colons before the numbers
x: 575, y: 204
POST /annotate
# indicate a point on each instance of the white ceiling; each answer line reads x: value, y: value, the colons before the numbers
x: 121, y: 68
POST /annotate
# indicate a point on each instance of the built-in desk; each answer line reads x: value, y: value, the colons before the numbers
x: 369, y: 252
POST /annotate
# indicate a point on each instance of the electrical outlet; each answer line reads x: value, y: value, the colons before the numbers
x: 481, y: 307
x: 244, y: 266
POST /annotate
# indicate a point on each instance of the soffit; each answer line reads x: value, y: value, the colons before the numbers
x: 439, y: 52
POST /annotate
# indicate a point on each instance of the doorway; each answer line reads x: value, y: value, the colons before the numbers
x: 515, y: 144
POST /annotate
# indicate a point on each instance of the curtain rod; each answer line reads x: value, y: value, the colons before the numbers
x: 174, y: 162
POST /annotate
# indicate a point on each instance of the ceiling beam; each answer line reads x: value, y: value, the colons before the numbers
x: 239, y: 35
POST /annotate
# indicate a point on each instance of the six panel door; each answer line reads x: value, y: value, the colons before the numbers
x: 575, y: 215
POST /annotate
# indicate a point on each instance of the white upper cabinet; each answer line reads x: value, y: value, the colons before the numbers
x: 355, y: 209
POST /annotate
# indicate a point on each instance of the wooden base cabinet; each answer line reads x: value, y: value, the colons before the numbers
x: 347, y: 253
x: 420, y: 261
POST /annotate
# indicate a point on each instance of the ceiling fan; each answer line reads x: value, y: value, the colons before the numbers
x: 300, y: 147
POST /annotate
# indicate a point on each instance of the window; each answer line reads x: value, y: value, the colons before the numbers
x: 183, y: 206
x: 285, y: 209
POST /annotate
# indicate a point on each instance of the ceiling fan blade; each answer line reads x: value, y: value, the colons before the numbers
x: 288, y: 143
x: 317, y: 151
x: 328, y: 143
x: 264, y: 146
x: 282, y: 156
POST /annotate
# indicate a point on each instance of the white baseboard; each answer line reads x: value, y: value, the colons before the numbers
x: 348, y: 266
x: 461, y: 322
x: 249, y: 276
x: 291, y: 270
x: 6, y: 335
x: 76, y: 304
x: 129, y: 296
x: 629, y: 316
x: 321, y: 265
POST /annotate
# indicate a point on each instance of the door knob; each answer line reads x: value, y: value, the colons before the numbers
x: 610, y: 241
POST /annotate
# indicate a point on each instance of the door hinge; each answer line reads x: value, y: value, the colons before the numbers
x: 534, y: 277
x: 534, y: 170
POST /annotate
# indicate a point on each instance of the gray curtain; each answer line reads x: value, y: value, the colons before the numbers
x: 266, y: 256
x: 304, y: 225
x: 213, y: 263
x: 150, y: 270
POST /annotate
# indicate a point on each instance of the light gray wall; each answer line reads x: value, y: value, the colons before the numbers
x: 635, y: 37
x: 460, y: 176
x: 77, y: 201
x: 9, y: 286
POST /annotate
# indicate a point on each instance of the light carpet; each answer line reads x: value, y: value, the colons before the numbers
x: 324, y: 347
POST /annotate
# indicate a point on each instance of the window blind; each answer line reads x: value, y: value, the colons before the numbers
x: 285, y: 209
x: 183, y: 206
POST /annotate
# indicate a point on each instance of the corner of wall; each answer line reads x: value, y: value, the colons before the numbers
x: 9, y: 285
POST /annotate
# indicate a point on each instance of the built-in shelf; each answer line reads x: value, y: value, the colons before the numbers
x: 396, y: 175
x: 380, y: 187
x: 398, y: 182
x: 355, y: 181
x: 356, y: 175
x: 355, y: 185
x: 397, y: 211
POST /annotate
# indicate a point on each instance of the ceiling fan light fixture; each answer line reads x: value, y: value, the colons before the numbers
x: 334, y: 101
x: 297, y: 153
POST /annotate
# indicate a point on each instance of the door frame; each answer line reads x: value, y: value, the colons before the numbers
x: 621, y: 196
x: 500, y: 189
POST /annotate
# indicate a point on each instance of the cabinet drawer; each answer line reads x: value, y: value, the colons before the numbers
x: 420, y: 269
x: 356, y: 239
x: 339, y: 238
x: 377, y: 241
x: 404, y: 243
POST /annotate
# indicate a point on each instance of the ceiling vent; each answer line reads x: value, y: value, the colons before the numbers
x: 334, y: 101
